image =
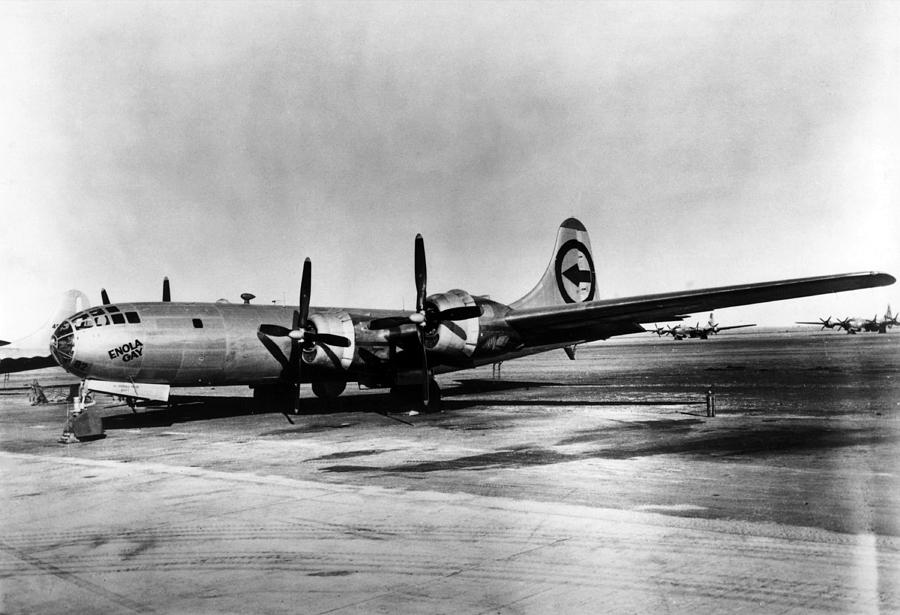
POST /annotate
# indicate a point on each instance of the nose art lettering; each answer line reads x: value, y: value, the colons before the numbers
x: 127, y: 351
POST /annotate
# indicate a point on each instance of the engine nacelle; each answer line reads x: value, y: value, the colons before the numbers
x: 336, y: 322
x: 452, y: 338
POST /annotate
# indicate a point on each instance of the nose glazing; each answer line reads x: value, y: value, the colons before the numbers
x: 62, y: 344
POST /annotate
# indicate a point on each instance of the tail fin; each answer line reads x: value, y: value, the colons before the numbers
x: 570, y: 276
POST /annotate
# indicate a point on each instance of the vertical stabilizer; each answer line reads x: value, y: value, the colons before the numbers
x: 570, y: 277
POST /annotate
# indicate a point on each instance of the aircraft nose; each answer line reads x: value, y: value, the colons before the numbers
x: 62, y: 344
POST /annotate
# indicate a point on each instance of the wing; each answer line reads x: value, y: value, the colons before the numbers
x: 11, y: 363
x: 734, y: 327
x: 602, y: 319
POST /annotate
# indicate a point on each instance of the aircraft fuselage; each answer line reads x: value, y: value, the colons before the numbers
x: 218, y: 344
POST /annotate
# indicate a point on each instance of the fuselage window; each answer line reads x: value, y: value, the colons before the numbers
x: 83, y: 322
x: 132, y: 317
x: 111, y: 309
x: 198, y: 324
x: 118, y: 319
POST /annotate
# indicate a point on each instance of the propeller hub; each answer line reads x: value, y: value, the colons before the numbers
x: 297, y: 335
x: 418, y: 318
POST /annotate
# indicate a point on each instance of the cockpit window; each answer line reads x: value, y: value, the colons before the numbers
x: 100, y: 317
x: 83, y: 321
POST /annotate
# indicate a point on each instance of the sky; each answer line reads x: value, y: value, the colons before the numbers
x: 219, y: 144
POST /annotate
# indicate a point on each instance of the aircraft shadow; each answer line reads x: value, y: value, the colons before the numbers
x: 183, y: 409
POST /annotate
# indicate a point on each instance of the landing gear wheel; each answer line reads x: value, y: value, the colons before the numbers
x: 328, y: 389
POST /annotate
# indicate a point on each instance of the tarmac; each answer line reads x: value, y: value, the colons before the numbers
x: 594, y: 485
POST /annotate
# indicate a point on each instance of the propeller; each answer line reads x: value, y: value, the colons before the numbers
x: 660, y: 331
x: 845, y: 324
x: 303, y: 335
x: 426, y: 317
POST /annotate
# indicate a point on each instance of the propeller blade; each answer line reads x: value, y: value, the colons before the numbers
x: 167, y: 295
x: 460, y: 313
x: 327, y: 338
x: 300, y: 319
x: 297, y: 399
x: 274, y: 349
x: 425, y: 379
x: 104, y: 298
x: 274, y: 330
x: 421, y: 273
x: 305, y: 284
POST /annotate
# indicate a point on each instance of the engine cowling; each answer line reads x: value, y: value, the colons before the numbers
x: 336, y: 322
x: 455, y: 339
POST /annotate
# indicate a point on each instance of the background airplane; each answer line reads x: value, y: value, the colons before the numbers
x: 143, y: 349
x: 680, y: 332
x: 856, y: 325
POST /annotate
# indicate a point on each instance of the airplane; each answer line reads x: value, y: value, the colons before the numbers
x: 679, y: 332
x: 855, y: 325
x: 143, y: 349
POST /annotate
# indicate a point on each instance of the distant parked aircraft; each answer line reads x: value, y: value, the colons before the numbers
x: 680, y: 332
x: 855, y: 325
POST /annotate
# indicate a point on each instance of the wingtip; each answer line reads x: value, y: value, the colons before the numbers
x: 883, y: 279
